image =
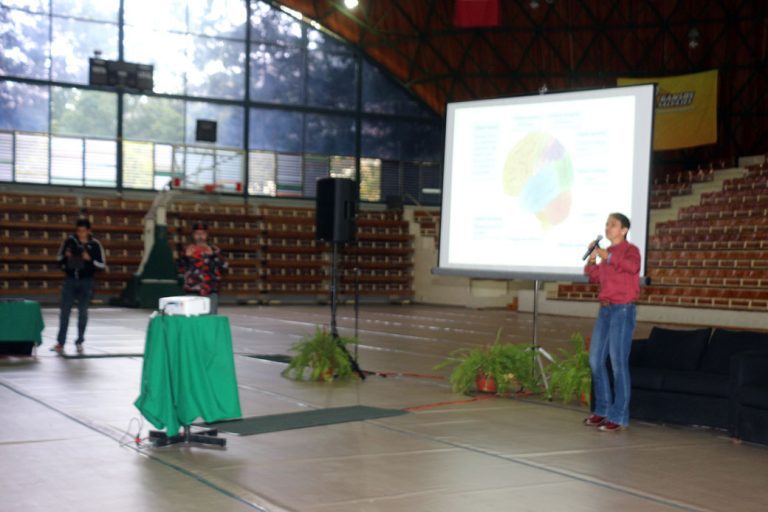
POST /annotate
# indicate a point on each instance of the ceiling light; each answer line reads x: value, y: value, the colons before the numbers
x: 351, y: 4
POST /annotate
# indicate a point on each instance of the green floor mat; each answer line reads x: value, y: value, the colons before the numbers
x: 277, y: 358
x: 304, y: 419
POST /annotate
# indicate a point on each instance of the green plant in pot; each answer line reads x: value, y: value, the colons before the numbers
x: 570, y: 378
x: 498, y: 367
x: 322, y: 356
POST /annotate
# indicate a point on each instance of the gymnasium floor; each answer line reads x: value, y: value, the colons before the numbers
x: 63, y: 422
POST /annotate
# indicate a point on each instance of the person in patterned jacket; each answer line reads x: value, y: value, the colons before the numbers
x: 202, y: 265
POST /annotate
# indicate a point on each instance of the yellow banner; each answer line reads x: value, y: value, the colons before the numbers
x: 686, y: 109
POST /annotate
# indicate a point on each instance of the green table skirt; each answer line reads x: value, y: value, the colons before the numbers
x: 21, y: 321
x: 189, y: 372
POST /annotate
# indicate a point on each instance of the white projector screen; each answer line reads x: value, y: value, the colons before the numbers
x: 529, y: 181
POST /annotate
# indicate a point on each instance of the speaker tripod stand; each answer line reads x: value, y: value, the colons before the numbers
x: 335, y: 223
x: 334, y: 301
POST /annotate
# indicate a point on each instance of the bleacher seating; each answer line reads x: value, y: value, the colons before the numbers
x: 33, y: 227
x: 293, y: 262
x: 383, y: 255
x: 429, y: 222
x: 271, y: 250
x: 678, y: 184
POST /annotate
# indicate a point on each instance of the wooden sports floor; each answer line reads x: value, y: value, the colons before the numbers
x: 66, y: 427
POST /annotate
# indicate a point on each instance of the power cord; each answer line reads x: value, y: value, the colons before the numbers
x: 136, y: 439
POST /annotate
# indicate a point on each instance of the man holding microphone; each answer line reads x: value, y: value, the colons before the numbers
x: 618, y: 274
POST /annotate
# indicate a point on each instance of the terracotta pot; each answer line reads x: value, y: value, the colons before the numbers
x: 485, y: 384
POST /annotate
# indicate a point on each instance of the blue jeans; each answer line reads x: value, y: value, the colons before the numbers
x: 80, y: 290
x: 612, y: 337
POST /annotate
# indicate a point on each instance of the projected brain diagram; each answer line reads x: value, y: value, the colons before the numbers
x: 539, y: 173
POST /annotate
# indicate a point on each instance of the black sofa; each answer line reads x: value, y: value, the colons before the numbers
x: 685, y: 376
x: 749, y: 397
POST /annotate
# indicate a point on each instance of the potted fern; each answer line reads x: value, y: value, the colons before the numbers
x: 323, y: 355
x: 495, y: 368
x: 571, y: 377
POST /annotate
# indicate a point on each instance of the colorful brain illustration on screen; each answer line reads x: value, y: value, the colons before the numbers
x: 539, y: 173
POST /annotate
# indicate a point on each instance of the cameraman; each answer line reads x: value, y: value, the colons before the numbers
x: 79, y: 257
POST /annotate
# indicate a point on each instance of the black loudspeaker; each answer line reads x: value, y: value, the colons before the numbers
x: 205, y: 131
x: 335, y: 210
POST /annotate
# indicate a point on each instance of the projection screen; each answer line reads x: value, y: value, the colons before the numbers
x: 529, y: 181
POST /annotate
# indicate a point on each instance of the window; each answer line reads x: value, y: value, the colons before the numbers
x: 222, y: 18
x: 25, y: 43
x: 261, y: 173
x: 381, y: 139
x: 155, y: 119
x: 167, y: 51
x: 6, y: 156
x: 30, y: 5
x: 383, y: 96
x: 269, y: 24
x: 229, y: 123
x: 229, y: 170
x: 216, y: 68
x: 223, y: 168
x: 304, y: 110
x: 391, y: 179
x: 370, y: 179
x: 100, y: 163
x: 99, y: 10
x: 343, y: 167
x: 315, y: 168
x: 168, y: 15
x: 288, y: 175
x: 82, y: 112
x: 278, y: 130
x: 332, y: 79
x: 137, y: 165
x: 411, y: 182
x: 329, y: 135
x: 169, y: 161
x: 23, y: 107
x: 421, y: 141
x: 277, y: 74
x: 66, y: 161
x: 74, y: 42
x: 31, y: 158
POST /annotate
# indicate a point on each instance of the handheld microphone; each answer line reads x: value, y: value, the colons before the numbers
x: 592, y: 247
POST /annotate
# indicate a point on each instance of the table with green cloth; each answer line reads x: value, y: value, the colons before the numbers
x: 21, y: 321
x: 189, y: 372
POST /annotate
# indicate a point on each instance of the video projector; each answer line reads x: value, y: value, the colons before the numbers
x: 185, y: 305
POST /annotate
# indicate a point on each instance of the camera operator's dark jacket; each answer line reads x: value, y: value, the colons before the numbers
x: 75, y: 266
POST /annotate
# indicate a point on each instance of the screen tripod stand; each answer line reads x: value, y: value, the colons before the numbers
x: 537, y: 350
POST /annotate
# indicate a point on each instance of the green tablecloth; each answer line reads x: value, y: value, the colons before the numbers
x: 21, y: 321
x: 189, y: 372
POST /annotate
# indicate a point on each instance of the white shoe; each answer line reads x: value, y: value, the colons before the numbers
x: 58, y: 348
x: 80, y: 349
